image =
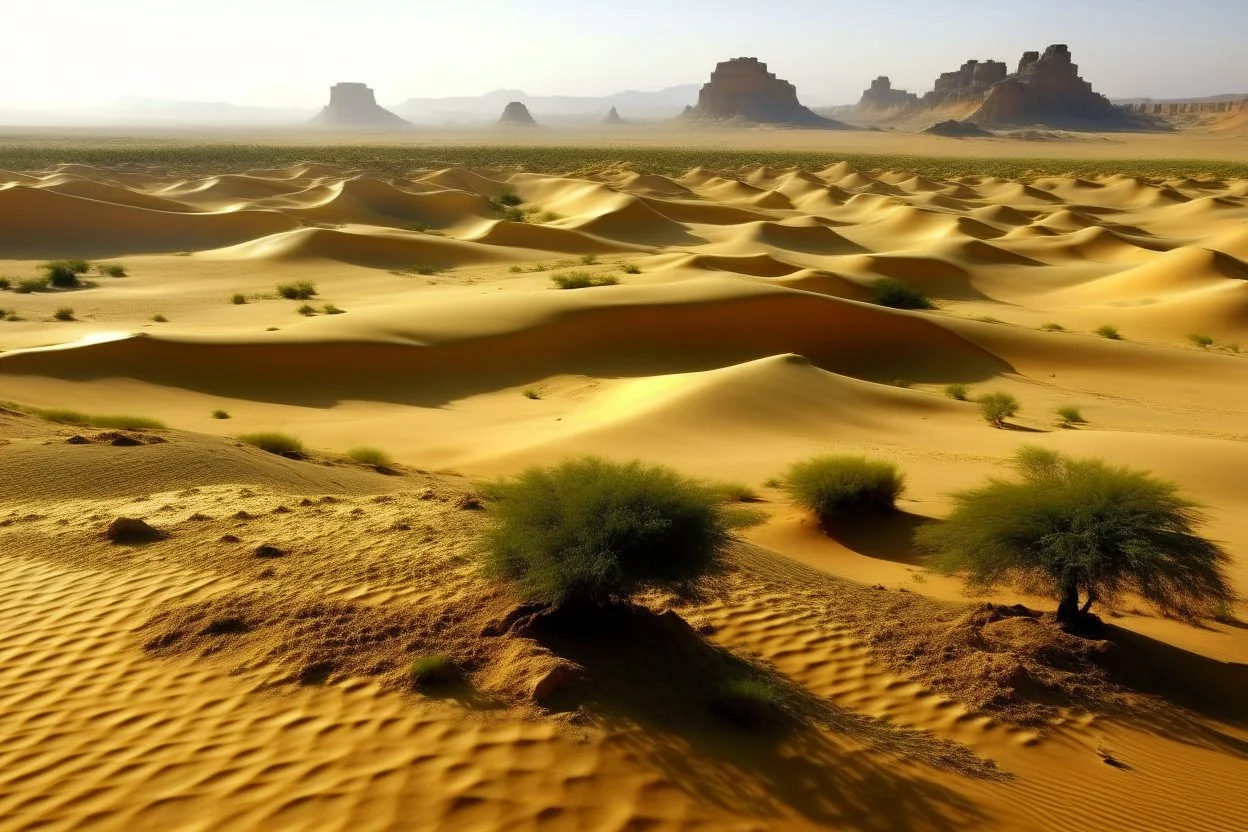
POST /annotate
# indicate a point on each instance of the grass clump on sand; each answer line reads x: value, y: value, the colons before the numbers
x: 66, y: 416
x: 6, y: 283
x: 238, y: 299
x: 582, y: 280
x: 160, y: 319
x: 282, y: 444
x: 532, y: 393
x: 997, y: 407
x: 1052, y: 327
x: 594, y: 531
x: 63, y: 313
x: 110, y: 270
x: 1202, y: 341
x: 31, y: 284
x: 958, y: 392
x: 307, y: 310
x: 330, y: 309
x: 434, y: 669
x: 1109, y: 331
x: 63, y: 274
x: 507, y: 199
x: 370, y: 456
x: 220, y: 414
x: 748, y: 701
x: 425, y: 271
x: 589, y: 259
x: 835, y: 486
x: 888, y: 291
x: 1082, y: 527
x: 631, y: 268
x: 1069, y: 416
x: 299, y: 290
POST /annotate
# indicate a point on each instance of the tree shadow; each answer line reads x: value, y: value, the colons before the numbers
x: 886, y: 537
x: 652, y: 681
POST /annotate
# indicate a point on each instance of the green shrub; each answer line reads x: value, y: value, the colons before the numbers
x: 31, y: 284
x: 1202, y: 341
x: 589, y: 259
x: 834, y: 486
x: 1052, y: 327
x: 330, y: 309
x: 957, y: 391
x: 631, y: 268
x: 506, y: 199
x: 512, y: 214
x: 282, y: 444
x: 5, y: 284
x: 748, y: 701
x: 435, y: 669
x: 582, y: 280
x: 299, y: 290
x: 1077, y: 526
x: 607, y: 280
x: 63, y: 313
x: 238, y: 299
x: 590, y: 530
x: 893, y: 293
x: 307, y: 310
x: 110, y: 270
x: 63, y: 274
x: 370, y: 456
x: 220, y: 414
x: 531, y: 393
x: 997, y: 407
x: 160, y: 319
x: 65, y: 416
x: 1109, y: 331
x: 515, y: 270
x: 1070, y: 415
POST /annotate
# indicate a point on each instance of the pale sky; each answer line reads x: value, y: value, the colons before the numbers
x: 73, y: 53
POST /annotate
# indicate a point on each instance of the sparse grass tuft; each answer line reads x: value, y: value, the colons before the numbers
x: 220, y: 414
x: 31, y: 284
x: 63, y: 313
x: 1069, y: 415
x: 506, y: 199
x: 330, y: 309
x: 512, y: 214
x: 748, y: 701
x: 5, y: 284
x: 893, y: 293
x: 987, y: 319
x: 160, y: 319
x: 515, y: 270
x: 834, y: 486
x: 589, y: 259
x: 63, y: 274
x: 423, y: 270
x: 299, y: 290
x: 548, y: 216
x: 957, y: 391
x: 282, y: 444
x: 1052, y: 327
x: 1109, y: 331
x: 238, y: 299
x: 307, y: 310
x: 434, y: 669
x: 631, y: 268
x: 531, y: 393
x: 582, y: 280
x: 1202, y: 341
x: 66, y: 416
x: 997, y: 407
x: 370, y: 456
x: 110, y: 270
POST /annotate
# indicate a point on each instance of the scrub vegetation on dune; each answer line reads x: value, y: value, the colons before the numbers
x: 298, y: 290
x: 274, y: 442
x: 997, y: 407
x: 582, y: 280
x: 66, y: 416
x: 837, y: 487
x: 888, y: 291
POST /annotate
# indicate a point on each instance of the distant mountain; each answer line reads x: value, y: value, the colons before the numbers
x: 137, y: 109
x: 632, y: 105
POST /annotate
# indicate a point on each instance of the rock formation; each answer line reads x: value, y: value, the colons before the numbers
x: 354, y: 105
x: 613, y: 117
x: 969, y: 82
x: 955, y: 129
x: 516, y: 114
x: 743, y: 90
x: 882, y: 96
x: 1177, y: 108
x: 1045, y: 88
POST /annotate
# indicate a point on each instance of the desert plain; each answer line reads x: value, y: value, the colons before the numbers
x: 247, y: 669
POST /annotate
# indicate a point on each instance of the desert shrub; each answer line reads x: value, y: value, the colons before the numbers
x: 63, y: 274
x: 67, y: 416
x: 506, y: 199
x: 631, y: 268
x: 957, y: 391
x: 997, y: 407
x: 749, y: 701
x: 238, y: 299
x: 307, y: 310
x: 160, y: 319
x: 582, y: 280
x: 532, y: 393
x: 5, y: 284
x: 1070, y: 415
x: 423, y: 270
x: 589, y: 259
x: 1202, y: 341
x: 330, y: 309
x: 299, y: 290
x: 511, y: 214
x: 110, y: 270
x: 31, y: 284
x: 370, y: 456
x: 282, y: 444
x: 515, y: 270
x: 1109, y: 331
x: 548, y: 216
x: 590, y: 530
x: 434, y: 669
x: 220, y: 414
x: 888, y: 291
x: 834, y: 486
x: 1073, y: 526
x: 63, y: 313
x: 1052, y: 327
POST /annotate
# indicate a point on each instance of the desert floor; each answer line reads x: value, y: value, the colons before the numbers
x: 191, y: 683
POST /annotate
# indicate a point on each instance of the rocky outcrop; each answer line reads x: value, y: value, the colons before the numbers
x: 1178, y: 108
x: 882, y: 96
x: 354, y: 105
x: 743, y: 90
x: 969, y: 82
x: 957, y: 129
x: 1046, y: 88
x: 516, y: 114
x: 613, y: 117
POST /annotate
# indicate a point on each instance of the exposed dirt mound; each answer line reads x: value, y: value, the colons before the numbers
x: 132, y: 530
x: 955, y: 129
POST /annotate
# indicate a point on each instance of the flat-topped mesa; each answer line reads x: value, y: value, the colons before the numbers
x: 882, y: 96
x: 742, y: 89
x: 969, y: 82
x: 516, y: 114
x: 1046, y: 88
x: 355, y: 105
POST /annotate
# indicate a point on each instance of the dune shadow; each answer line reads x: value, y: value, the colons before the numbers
x: 652, y: 682
x: 885, y: 537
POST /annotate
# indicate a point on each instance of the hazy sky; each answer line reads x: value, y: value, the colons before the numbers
x: 287, y: 52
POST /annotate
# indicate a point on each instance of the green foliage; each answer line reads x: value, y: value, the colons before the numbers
x: 512, y: 214
x: 330, y: 309
x: 370, y: 456
x: 66, y: 416
x: 160, y: 319
x: 5, y: 284
x: 31, y: 284
x: 1109, y: 331
x: 1070, y: 415
x: 506, y: 200
x: 238, y: 299
x: 63, y: 274
x: 631, y: 268
x: 997, y: 407
x: 1052, y: 327
x: 220, y: 414
x: 110, y: 270
x: 957, y: 391
x: 749, y: 701
x: 531, y: 393
x: 299, y: 290
x: 589, y: 259
x: 307, y: 310
x: 888, y: 291
x: 1202, y: 341
x: 835, y: 486
x: 434, y: 669
x: 1082, y: 525
x: 274, y: 442
x: 582, y: 280
x: 592, y: 530
x: 63, y: 313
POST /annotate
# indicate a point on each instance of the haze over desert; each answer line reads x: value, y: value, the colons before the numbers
x: 723, y: 457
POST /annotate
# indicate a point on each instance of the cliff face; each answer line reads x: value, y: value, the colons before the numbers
x: 1046, y: 87
x: 882, y: 96
x: 1177, y: 108
x: 355, y: 105
x: 970, y: 81
x: 743, y: 89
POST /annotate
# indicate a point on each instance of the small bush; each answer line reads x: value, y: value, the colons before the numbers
x: 589, y: 259
x: 506, y: 200
x: 748, y: 701
x: 433, y: 670
x: 299, y: 290
x: 281, y: 444
x: 1070, y: 415
x: 1202, y: 341
x: 512, y: 214
x: 31, y: 284
x: 110, y: 270
x: 531, y: 393
x: 548, y: 216
x: 957, y: 391
x: 63, y: 274
x: 160, y: 319
x: 330, y: 309
x: 370, y: 456
x: 893, y: 293
x: 307, y: 310
x: 238, y: 299
x: 515, y: 270
x: 220, y: 414
x: 834, y: 486
x: 592, y: 531
x: 631, y: 268
x: 582, y: 280
x: 425, y: 271
x: 63, y: 313
x: 607, y: 280
x: 5, y: 284
x: 1052, y: 327
x: 539, y: 267
x: 1109, y: 331
x: 997, y: 407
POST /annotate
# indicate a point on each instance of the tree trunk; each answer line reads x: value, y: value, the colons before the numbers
x: 1068, y: 609
x: 1088, y: 604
